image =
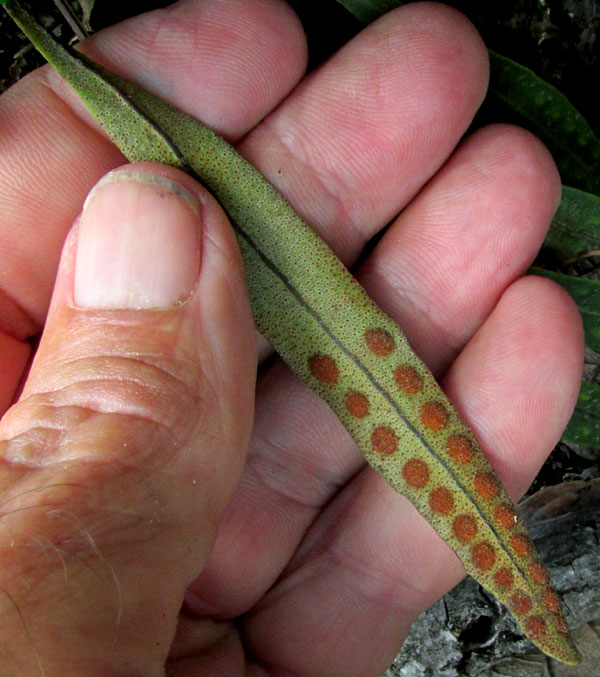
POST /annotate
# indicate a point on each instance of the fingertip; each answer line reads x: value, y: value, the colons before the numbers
x: 517, y: 380
x: 445, y: 40
x: 548, y: 343
x: 523, y: 168
x: 549, y: 311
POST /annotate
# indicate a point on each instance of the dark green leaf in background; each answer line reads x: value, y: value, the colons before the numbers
x: 369, y: 10
x: 575, y: 229
x: 546, y: 112
x: 584, y: 426
x: 586, y: 294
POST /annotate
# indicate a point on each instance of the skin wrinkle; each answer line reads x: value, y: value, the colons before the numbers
x: 340, y: 527
x: 15, y: 321
x: 269, y: 463
x: 350, y: 594
x: 367, y: 583
x: 193, y: 635
x: 294, y: 439
x: 370, y: 584
x: 329, y: 170
x: 154, y: 380
x: 12, y: 450
x: 42, y: 432
x: 89, y: 395
x: 178, y: 376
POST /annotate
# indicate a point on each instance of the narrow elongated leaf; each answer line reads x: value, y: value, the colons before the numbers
x: 586, y: 294
x: 584, y: 426
x: 341, y: 345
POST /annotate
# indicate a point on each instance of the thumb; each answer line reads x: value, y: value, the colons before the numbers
x: 130, y: 434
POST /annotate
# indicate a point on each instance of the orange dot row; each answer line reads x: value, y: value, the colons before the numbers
x: 483, y: 555
x: 415, y: 471
x: 416, y: 474
x: 433, y: 415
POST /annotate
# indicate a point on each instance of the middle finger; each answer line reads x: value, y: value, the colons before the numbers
x: 359, y: 137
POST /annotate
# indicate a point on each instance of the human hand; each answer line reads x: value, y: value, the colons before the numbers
x: 129, y: 438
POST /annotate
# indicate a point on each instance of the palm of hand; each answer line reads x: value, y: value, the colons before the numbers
x: 322, y: 565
